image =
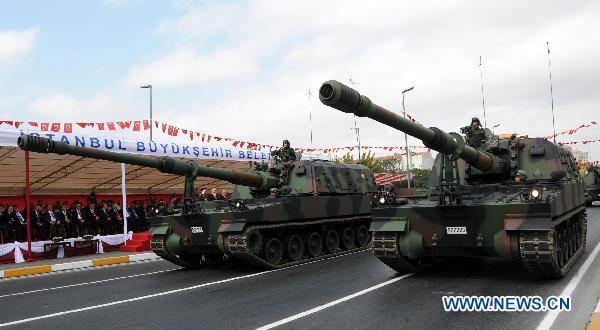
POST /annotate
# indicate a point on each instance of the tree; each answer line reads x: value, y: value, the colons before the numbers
x: 367, y: 159
x: 420, y: 177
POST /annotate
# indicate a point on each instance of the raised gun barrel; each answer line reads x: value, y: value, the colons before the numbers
x: 188, y: 168
x: 346, y: 99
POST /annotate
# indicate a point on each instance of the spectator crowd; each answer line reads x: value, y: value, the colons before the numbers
x: 94, y: 218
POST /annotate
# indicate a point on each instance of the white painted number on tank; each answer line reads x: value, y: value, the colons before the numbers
x: 456, y: 230
x: 197, y: 230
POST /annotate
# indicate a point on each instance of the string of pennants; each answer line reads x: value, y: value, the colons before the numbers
x: 578, y: 142
x: 573, y: 130
x: 593, y: 162
x: 172, y: 130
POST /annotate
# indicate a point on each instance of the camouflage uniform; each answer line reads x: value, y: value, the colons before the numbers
x: 286, y: 153
x: 475, y: 134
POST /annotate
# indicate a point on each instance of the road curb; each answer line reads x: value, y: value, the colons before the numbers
x: 25, y: 271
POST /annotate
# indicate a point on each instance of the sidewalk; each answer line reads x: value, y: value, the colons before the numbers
x: 77, y: 262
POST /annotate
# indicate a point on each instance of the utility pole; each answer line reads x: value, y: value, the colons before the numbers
x: 551, y: 94
x: 406, y: 137
x: 151, y: 123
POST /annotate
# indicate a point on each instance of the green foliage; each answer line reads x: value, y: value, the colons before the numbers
x: 392, y: 166
x: 420, y: 177
x: 367, y: 159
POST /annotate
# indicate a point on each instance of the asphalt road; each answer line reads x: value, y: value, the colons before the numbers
x: 159, y: 295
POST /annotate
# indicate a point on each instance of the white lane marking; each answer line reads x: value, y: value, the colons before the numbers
x: 86, y: 283
x: 333, y: 303
x: 550, y: 317
x: 72, y: 311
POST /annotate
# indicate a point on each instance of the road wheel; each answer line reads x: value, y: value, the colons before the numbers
x: 315, y: 244
x: 294, y: 247
x: 362, y: 236
x: 347, y: 238
x: 254, y: 242
x: 332, y: 241
x: 273, y: 251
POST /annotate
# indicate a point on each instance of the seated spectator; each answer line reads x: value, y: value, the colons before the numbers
x: 40, y: 226
x: 105, y: 223
x: 65, y: 217
x: 213, y: 195
x: 79, y: 217
x: 221, y: 196
x: 57, y: 228
x: 92, y: 219
x: 19, y: 224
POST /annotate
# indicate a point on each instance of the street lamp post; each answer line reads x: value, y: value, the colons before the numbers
x: 494, y: 127
x: 406, y: 137
x: 151, y: 124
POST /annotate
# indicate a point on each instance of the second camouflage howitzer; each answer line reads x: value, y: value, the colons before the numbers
x: 281, y: 213
x: 519, y: 198
x: 346, y: 99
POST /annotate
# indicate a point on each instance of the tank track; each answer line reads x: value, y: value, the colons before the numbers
x: 538, y: 249
x: 385, y: 248
x: 237, y: 244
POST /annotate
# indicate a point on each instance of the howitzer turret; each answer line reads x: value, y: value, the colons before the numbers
x: 346, y: 99
x: 188, y: 168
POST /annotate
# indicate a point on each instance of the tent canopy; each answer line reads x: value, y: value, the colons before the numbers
x: 52, y: 174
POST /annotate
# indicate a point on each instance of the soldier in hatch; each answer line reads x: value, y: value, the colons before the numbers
x: 475, y: 134
x: 285, y: 153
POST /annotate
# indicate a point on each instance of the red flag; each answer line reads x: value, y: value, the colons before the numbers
x: 191, y: 135
x: 33, y: 123
x: 18, y: 123
x: 156, y: 123
x: 170, y: 130
x: 164, y: 127
x: 124, y: 124
x: 68, y: 128
x: 84, y: 125
x: 136, y: 125
x: 175, y: 131
x: 111, y: 125
x: 184, y: 131
x: 235, y: 143
x: 6, y: 121
x: 44, y: 127
x: 208, y: 140
x: 101, y: 126
x: 55, y: 127
x: 146, y: 125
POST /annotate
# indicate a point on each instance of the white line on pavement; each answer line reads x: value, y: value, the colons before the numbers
x: 333, y: 303
x: 550, y: 317
x: 164, y: 293
x: 86, y: 283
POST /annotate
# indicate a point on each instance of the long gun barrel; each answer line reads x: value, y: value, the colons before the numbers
x: 341, y: 97
x: 170, y: 165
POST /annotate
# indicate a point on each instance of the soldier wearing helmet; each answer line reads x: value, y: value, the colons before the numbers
x: 475, y: 134
x: 285, y: 153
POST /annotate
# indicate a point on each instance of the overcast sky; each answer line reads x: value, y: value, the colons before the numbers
x: 243, y: 68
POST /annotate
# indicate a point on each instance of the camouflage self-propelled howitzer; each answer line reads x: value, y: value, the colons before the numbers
x: 591, y: 182
x: 519, y: 198
x: 282, y: 213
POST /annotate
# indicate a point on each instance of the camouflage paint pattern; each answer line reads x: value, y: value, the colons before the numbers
x: 518, y: 198
x: 592, y: 185
x: 312, y: 196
